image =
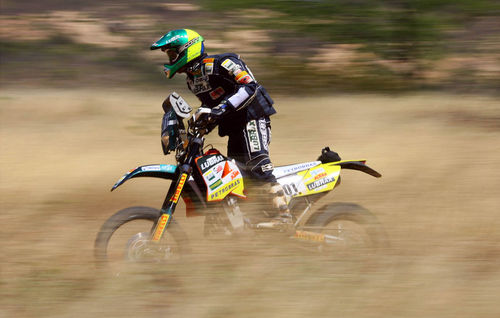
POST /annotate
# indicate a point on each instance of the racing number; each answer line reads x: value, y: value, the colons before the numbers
x: 290, y: 189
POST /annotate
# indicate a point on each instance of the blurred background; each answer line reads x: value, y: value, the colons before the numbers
x: 314, y: 45
x: 413, y: 86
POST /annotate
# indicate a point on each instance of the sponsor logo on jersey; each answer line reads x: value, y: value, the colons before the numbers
x: 209, y: 68
x: 230, y: 66
x: 216, y: 93
x: 319, y: 183
x: 253, y: 136
x: 243, y: 78
x: 265, y: 133
x: 199, y: 84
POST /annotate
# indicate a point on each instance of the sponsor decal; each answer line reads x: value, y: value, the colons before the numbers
x: 169, y: 41
x: 209, y: 68
x: 164, y: 168
x: 151, y: 168
x: 264, y: 133
x: 162, y: 223
x: 240, y: 75
x: 243, y: 78
x: 209, y: 60
x: 173, y: 39
x: 317, y: 171
x: 216, y: 93
x: 234, y: 174
x: 319, y: 176
x: 267, y: 167
x: 168, y: 168
x: 227, y: 170
x: 210, y: 176
x: 226, y: 189
x: 300, y: 167
x: 189, y: 43
x: 319, y: 183
x: 199, y: 84
x: 253, y: 136
x: 215, y: 184
x: 230, y: 66
x: 210, y: 161
x: 310, y: 236
x: 178, y: 191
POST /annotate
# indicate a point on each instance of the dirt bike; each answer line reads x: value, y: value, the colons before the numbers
x: 216, y: 187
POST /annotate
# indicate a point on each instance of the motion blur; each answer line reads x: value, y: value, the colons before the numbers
x: 411, y: 85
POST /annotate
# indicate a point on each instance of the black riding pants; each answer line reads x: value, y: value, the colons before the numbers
x: 250, y: 146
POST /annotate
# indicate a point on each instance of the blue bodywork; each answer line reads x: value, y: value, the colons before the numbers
x: 155, y: 171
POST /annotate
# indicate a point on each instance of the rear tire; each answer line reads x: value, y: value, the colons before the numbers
x: 174, y: 240
x: 352, y: 225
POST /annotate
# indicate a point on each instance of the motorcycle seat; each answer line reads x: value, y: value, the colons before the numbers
x: 282, y: 171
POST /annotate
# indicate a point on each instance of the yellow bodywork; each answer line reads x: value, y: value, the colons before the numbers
x: 318, y: 179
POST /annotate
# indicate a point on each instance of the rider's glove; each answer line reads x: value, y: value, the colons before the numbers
x: 215, y: 116
x: 209, y: 118
x: 216, y: 113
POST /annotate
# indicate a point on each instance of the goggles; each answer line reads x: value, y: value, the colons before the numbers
x: 173, y: 55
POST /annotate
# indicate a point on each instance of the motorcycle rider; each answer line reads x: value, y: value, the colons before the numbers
x: 238, y: 104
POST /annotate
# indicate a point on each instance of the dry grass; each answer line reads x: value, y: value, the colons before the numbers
x: 62, y: 150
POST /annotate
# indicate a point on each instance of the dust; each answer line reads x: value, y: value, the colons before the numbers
x: 61, y: 151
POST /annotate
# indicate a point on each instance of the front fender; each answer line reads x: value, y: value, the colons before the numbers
x: 154, y: 171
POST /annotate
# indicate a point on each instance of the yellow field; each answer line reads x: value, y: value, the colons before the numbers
x: 439, y: 200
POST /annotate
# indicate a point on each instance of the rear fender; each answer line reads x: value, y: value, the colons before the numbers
x: 356, y: 165
x: 154, y: 171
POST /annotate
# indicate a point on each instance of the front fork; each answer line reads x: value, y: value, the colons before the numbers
x: 169, y: 205
x: 175, y: 190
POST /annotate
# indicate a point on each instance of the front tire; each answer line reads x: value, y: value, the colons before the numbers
x: 124, y: 237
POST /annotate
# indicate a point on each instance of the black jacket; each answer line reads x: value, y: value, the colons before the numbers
x: 225, y: 78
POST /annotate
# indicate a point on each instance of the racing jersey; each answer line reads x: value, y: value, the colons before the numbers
x: 225, y: 78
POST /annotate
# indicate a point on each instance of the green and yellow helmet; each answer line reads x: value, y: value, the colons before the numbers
x: 182, y: 46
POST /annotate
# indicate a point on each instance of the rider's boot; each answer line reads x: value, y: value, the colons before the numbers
x: 279, y: 203
x: 284, y: 218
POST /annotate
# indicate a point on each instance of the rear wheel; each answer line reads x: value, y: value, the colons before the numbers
x: 347, y: 225
x: 125, y: 238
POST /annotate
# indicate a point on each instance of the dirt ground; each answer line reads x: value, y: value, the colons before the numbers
x: 61, y: 151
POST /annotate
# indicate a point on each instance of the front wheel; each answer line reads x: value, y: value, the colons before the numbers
x: 125, y: 238
x: 347, y: 225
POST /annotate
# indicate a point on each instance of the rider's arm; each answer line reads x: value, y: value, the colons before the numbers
x: 235, y: 70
